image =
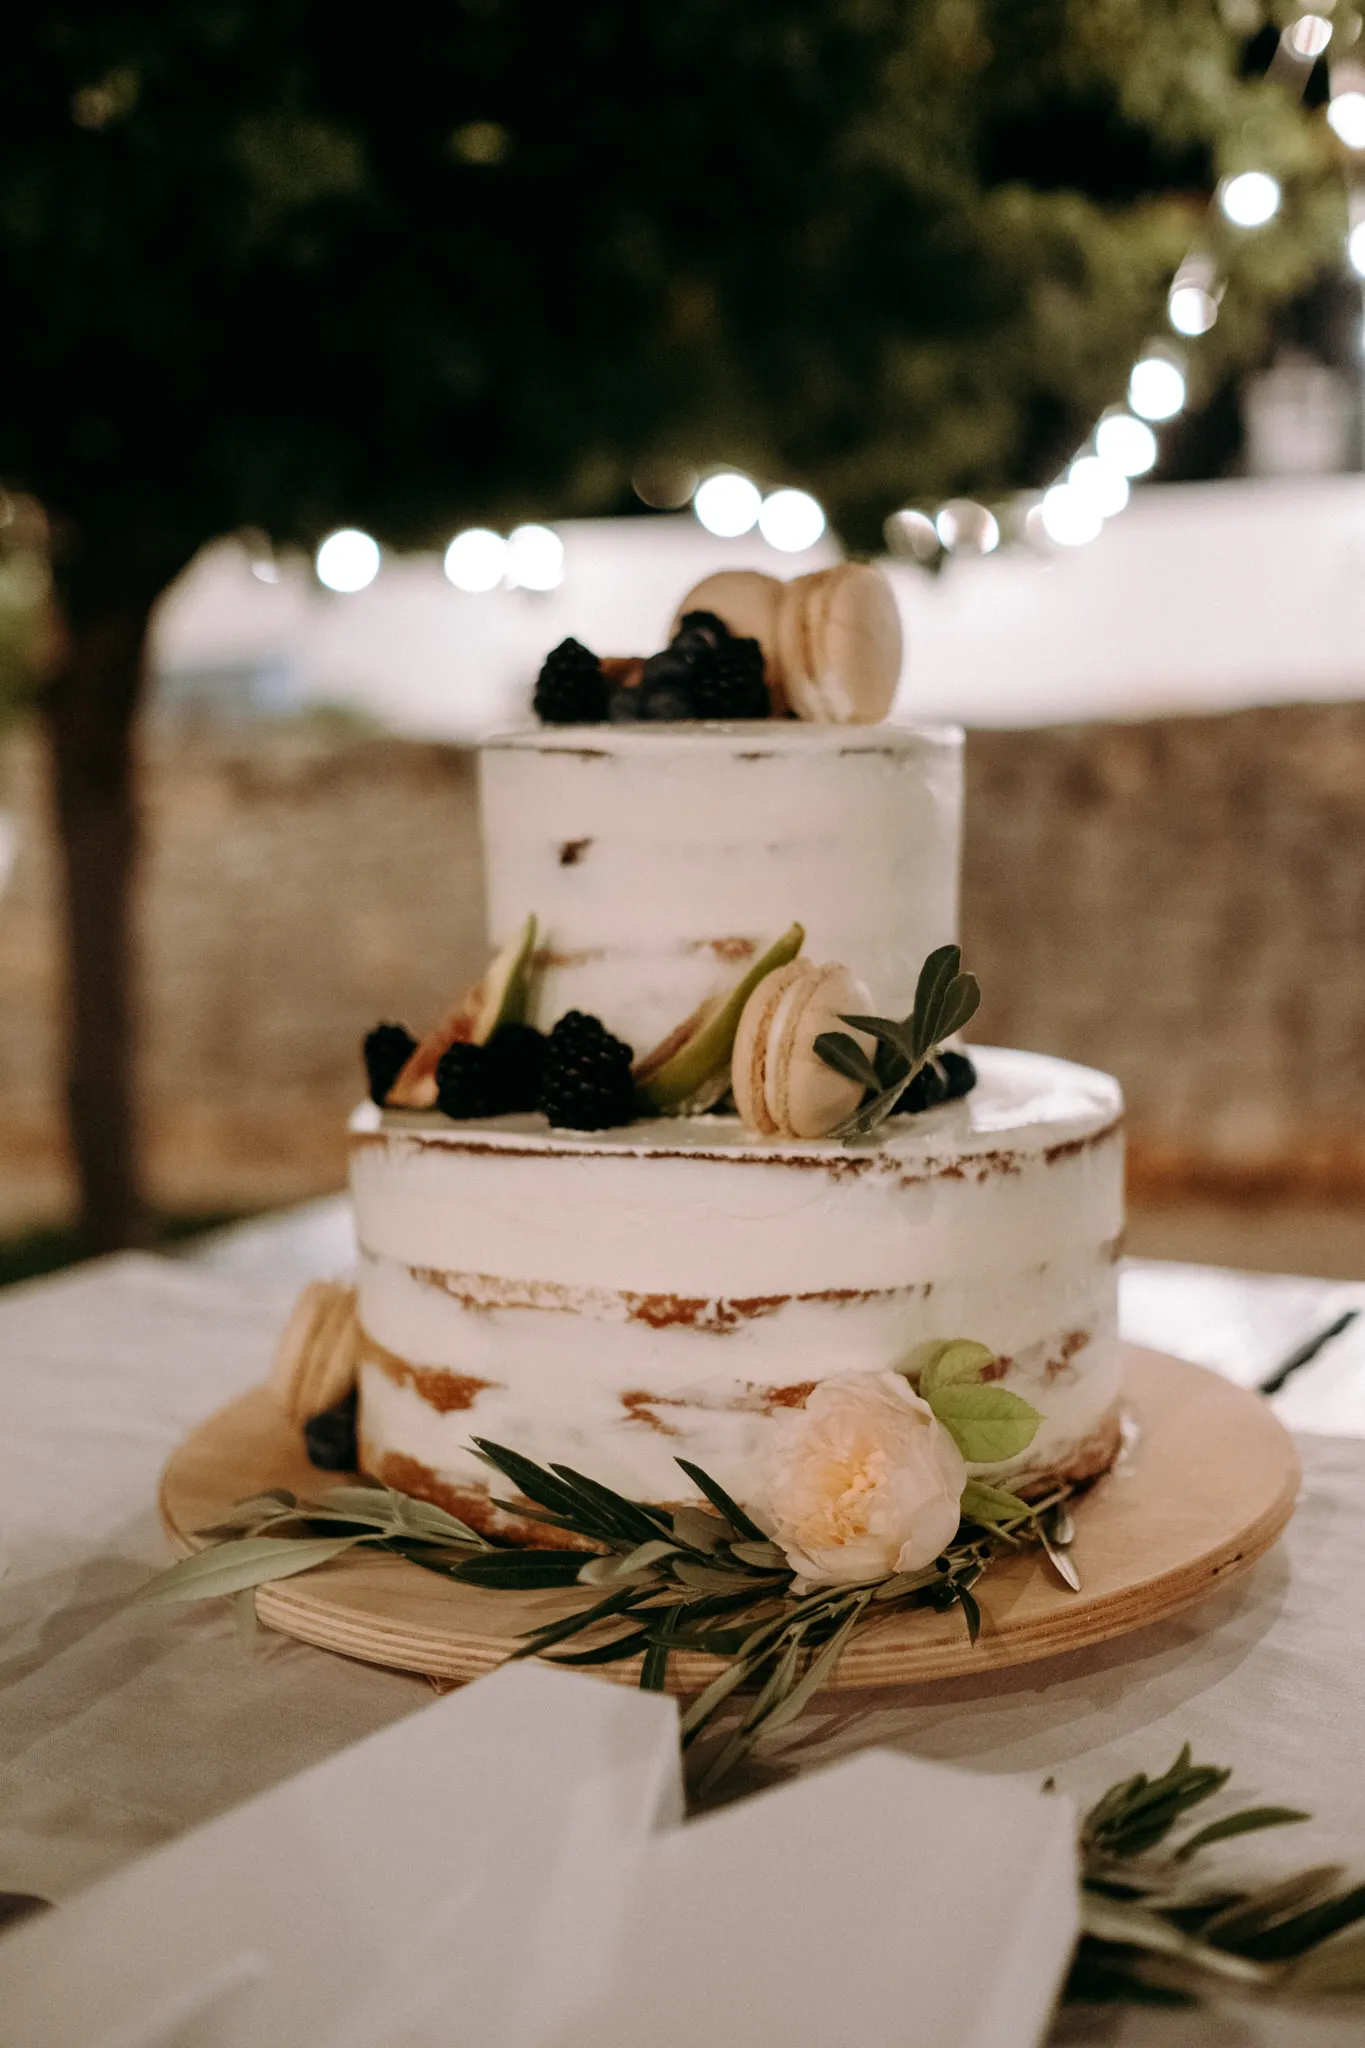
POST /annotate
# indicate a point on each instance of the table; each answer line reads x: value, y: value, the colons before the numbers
x: 120, y: 1727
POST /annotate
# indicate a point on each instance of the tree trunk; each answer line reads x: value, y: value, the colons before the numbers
x: 90, y: 711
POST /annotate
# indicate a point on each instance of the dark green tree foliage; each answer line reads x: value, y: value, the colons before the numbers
x: 280, y: 266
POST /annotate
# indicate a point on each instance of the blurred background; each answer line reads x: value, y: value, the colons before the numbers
x: 339, y: 383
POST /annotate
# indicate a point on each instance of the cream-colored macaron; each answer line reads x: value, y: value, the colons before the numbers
x: 782, y: 1087
x: 317, y: 1357
x: 839, y: 644
x: 748, y: 602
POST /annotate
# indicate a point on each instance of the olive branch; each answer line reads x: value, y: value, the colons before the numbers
x: 945, y: 1000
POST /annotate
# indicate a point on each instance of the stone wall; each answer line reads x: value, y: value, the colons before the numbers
x: 1181, y: 902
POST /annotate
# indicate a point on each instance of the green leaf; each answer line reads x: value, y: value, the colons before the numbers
x: 934, y: 977
x: 966, y: 1600
x: 231, y: 1567
x: 847, y: 1057
x: 707, y: 1704
x: 614, y: 1652
x: 1244, y: 1823
x: 948, y: 1362
x: 519, y: 1569
x: 988, y: 1504
x: 764, y: 1557
x: 532, y: 1479
x: 888, y: 1032
x: 654, y: 1668
x: 721, y: 1501
x: 1271, y: 1907
x: 960, y: 1002
x: 637, y: 1563
x: 699, y: 1530
x: 987, y: 1424
x: 552, y: 1632
x: 1305, y: 1930
x: 631, y: 1520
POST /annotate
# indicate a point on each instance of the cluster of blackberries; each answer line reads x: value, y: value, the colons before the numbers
x: 493, y: 1079
x: 578, y: 1076
x: 944, y: 1078
x: 706, y: 672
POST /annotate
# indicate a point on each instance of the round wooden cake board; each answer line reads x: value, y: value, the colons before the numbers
x: 1204, y: 1486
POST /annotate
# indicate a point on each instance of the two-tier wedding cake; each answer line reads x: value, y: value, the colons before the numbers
x: 683, y: 1239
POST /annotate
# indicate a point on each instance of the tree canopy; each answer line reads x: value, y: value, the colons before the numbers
x: 271, y: 268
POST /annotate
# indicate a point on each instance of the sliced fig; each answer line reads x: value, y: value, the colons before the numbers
x: 690, y: 1069
x: 499, y: 996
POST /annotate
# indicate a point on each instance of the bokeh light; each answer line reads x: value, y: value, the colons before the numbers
x: 535, y: 558
x: 1156, y: 389
x: 1192, y: 310
x: 728, y: 504
x: 968, y: 528
x: 791, y: 520
x: 1250, y: 199
x: 1069, y: 517
x: 1101, y: 482
x: 348, y: 560
x: 1355, y: 248
x: 476, y: 559
x: 912, y: 535
x: 1126, y: 444
x: 1309, y: 36
x: 664, y: 486
x: 1346, y: 113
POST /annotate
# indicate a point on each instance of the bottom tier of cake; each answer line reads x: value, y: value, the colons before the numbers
x: 617, y: 1300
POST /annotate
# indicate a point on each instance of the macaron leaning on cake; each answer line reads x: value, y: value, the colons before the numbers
x: 782, y: 1087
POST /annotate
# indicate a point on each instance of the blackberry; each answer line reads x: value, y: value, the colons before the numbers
x: 958, y: 1072
x: 705, y: 625
x: 330, y: 1437
x: 731, y: 685
x: 571, y: 688
x: 464, y: 1086
x: 665, y: 687
x: 387, y: 1050
x: 514, y: 1056
x: 624, y: 706
x: 585, y: 1082
x: 926, y: 1090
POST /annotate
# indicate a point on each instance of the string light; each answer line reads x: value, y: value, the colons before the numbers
x: 535, y: 558
x: 1191, y: 309
x: 1104, y: 486
x: 1069, y: 517
x: 791, y: 520
x: 913, y: 534
x: 970, y: 528
x: 1250, y: 199
x: 347, y: 560
x: 1156, y: 389
x: 1346, y: 115
x: 1126, y: 444
x: 728, y: 504
x: 476, y: 559
x: 1309, y: 36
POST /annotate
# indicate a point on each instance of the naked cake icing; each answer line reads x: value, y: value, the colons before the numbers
x: 675, y: 1285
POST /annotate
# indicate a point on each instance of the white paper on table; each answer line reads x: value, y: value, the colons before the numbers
x: 505, y: 1870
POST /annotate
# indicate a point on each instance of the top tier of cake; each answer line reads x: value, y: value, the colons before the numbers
x: 660, y: 859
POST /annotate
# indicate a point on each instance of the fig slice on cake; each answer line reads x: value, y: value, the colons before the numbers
x: 689, y: 1070
x: 499, y: 996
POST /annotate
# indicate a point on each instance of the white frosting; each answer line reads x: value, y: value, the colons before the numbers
x: 659, y: 859
x: 633, y: 1295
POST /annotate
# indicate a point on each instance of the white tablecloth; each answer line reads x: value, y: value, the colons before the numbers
x: 121, y: 1727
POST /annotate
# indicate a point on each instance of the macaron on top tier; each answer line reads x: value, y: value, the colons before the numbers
x: 826, y: 648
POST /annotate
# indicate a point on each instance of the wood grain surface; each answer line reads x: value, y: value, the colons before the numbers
x: 1204, y: 1486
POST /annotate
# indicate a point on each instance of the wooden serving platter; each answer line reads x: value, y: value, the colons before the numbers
x: 1205, y: 1485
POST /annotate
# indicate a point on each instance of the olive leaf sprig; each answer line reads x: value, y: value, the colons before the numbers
x: 704, y: 1579
x: 945, y: 1000
x: 1149, y: 1936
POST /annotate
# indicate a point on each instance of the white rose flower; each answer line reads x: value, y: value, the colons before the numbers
x: 867, y: 1482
